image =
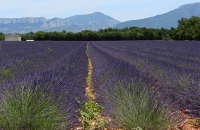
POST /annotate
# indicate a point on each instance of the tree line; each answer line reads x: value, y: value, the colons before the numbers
x: 1, y: 36
x: 188, y: 29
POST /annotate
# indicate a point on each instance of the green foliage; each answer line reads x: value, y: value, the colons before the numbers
x: 90, y: 116
x: 188, y: 29
x: 25, y: 108
x: 27, y: 36
x: 1, y: 36
x: 138, y: 128
x: 49, y: 50
x: 6, y: 74
x: 167, y: 37
x: 0, y: 46
x: 134, y: 106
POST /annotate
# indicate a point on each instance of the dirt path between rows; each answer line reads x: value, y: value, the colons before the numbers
x: 90, y: 95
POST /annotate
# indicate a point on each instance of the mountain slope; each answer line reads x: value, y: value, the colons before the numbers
x: 166, y: 20
x: 94, y: 21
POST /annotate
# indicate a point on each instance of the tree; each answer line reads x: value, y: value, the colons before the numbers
x: 188, y: 29
x: 1, y: 36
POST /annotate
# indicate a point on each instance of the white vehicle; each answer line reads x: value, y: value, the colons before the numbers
x: 30, y: 40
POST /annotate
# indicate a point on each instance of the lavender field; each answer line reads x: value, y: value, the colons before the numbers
x: 156, y: 78
x: 55, y: 67
x: 172, y: 68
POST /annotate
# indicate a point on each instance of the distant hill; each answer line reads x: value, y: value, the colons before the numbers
x: 166, y: 20
x: 94, y: 21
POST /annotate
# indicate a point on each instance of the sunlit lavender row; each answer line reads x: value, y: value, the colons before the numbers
x: 56, y: 68
x: 172, y: 66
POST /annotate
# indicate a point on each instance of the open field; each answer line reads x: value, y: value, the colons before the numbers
x: 143, y: 85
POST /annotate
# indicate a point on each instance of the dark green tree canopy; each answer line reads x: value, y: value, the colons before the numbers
x: 189, y: 29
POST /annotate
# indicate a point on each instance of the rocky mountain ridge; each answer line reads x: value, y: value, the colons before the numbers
x: 94, y: 21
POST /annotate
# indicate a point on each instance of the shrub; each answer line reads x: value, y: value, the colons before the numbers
x: 135, y: 107
x: 90, y: 116
x: 49, y: 50
x: 5, y: 73
x: 25, y: 108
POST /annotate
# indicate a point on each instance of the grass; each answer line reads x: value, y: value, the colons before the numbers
x: 5, y: 73
x: 134, y: 107
x: 25, y: 108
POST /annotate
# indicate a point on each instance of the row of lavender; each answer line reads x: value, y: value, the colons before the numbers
x: 59, y: 68
x: 21, y: 57
x: 123, y: 92
x: 173, y: 68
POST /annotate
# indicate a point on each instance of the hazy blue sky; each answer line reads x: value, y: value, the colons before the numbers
x: 119, y: 9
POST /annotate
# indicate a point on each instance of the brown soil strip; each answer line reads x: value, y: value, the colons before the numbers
x: 189, y: 123
x: 90, y: 94
x: 89, y: 89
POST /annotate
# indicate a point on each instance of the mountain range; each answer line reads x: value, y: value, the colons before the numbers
x: 166, y: 20
x: 95, y: 21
